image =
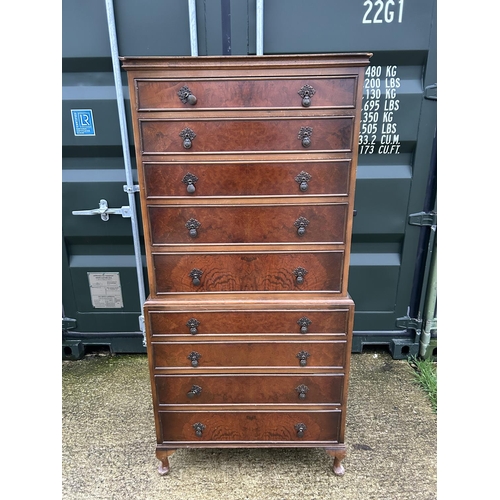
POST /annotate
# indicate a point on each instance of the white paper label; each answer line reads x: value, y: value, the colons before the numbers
x: 105, y: 290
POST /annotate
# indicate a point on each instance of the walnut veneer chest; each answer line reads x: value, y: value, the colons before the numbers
x: 246, y: 168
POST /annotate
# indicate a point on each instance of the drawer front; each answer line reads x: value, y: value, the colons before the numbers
x: 233, y: 135
x: 248, y: 389
x: 296, y: 354
x: 248, y: 322
x: 164, y: 180
x: 164, y: 94
x: 322, y: 223
x: 234, y: 426
x: 229, y: 272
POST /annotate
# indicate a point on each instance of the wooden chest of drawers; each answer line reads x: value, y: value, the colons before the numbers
x: 246, y: 168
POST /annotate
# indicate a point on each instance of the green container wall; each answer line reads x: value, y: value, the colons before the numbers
x: 393, y: 164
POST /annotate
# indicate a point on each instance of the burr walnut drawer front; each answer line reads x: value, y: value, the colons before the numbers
x: 321, y: 223
x: 165, y: 180
x: 260, y: 425
x: 166, y: 94
x: 247, y: 271
x: 248, y: 322
x: 248, y: 389
x: 234, y: 135
x: 300, y: 355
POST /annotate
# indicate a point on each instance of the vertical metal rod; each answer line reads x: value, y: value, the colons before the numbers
x: 259, y: 35
x: 193, y: 29
x: 430, y: 303
x: 126, y: 157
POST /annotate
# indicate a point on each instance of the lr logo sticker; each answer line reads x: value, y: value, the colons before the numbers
x: 83, y: 122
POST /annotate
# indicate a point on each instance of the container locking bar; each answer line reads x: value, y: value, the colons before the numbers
x: 104, y: 211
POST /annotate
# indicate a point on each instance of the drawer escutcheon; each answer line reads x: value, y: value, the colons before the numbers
x: 300, y: 273
x: 194, y: 357
x: 195, y: 391
x: 303, y: 355
x: 303, y: 180
x: 304, y: 323
x: 305, y: 136
x: 186, y: 96
x: 193, y: 325
x: 198, y: 428
x: 190, y: 180
x: 300, y: 428
x: 188, y: 135
x: 193, y: 225
x: 302, y: 391
x: 306, y: 92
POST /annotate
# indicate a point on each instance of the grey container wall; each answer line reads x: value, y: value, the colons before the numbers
x: 398, y: 129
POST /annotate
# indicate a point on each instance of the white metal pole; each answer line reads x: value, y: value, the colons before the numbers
x: 193, y: 30
x: 260, y: 28
x: 129, y: 188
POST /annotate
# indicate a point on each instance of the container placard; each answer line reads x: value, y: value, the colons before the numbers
x: 83, y: 122
x: 105, y: 290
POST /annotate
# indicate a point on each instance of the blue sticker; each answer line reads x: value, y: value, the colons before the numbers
x: 83, y: 122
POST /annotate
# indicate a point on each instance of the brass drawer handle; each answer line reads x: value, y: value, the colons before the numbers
x: 188, y: 136
x: 300, y: 273
x: 301, y: 223
x: 195, y: 275
x: 305, y: 136
x: 300, y: 428
x: 186, y: 96
x: 190, y: 180
x: 194, y: 357
x: 303, y: 355
x: 303, y: 180
x: 198, y: 429
x: 306, y: 92
x: 195, y: 391
x: 193, y: 325
x: 193, y: 225
x: 304, y: 323
x: 302, y: 390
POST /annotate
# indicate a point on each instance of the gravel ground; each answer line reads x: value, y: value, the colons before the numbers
x: 108, y: 442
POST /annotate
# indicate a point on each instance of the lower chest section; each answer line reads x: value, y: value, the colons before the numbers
x: 249, y: 373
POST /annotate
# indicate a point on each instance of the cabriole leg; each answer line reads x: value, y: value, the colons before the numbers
x: 338, y: 456
x: 163, y: 455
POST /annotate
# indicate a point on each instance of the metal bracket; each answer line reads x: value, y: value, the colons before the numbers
x: 104, y: 211
x: 409, y: 323
x: 423, y: 219
x: 131, y: 189
x: 142, y: 326
x: 68, y: 323
x: 430, y: 92
x: 431, y: 324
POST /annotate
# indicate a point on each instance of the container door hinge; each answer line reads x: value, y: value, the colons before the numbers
x: 104, y: 211
x: 423, y: 219
x: 430, y: 92
x: 68, y: 323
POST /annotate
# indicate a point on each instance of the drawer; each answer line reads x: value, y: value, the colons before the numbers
x: 164, y: 180
x: 206, y: 355
x: 223, y: 224
x: 236, y: 426
x: 248, y: 322
x: 167, y: 94
x: 248, y: 271
x: 248, y: 389
x: 237, y: 134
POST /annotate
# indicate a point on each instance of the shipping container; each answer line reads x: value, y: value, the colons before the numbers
x: 394, y: 233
